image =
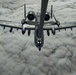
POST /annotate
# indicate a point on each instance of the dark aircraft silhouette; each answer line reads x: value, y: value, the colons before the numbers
x: 39, y: 20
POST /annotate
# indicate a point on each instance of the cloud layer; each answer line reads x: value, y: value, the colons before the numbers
x: 18, y: 54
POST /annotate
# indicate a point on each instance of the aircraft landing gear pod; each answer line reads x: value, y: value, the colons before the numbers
x: 53, y: 31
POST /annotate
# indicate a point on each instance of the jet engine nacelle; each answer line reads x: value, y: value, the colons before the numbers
x: 31, y: 15
x: 47, y: 16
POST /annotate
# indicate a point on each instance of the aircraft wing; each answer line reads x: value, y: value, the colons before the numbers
x: 67, y: 27
x: 47, y: 28
x: 9, y: 26
x: 60, y: 28
x: 64, y: 27
x: 16, y: 27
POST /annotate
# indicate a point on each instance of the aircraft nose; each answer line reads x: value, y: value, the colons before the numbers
x: 39, y: 49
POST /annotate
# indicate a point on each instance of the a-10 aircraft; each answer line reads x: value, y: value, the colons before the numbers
x: 39, y: 20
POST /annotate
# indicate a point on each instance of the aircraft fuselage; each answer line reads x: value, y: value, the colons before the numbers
x: 39, y: 41
x: 39, y: 35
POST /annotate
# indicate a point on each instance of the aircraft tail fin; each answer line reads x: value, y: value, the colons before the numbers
x: 25, y: 11
x: 51, y: 11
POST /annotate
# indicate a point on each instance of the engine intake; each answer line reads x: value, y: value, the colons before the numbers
x: 31, y: 15
x: 47, y: 16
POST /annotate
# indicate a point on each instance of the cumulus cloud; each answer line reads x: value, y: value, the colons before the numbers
x: 18, y: 54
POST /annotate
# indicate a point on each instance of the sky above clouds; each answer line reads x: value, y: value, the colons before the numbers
x: 18, y: 54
